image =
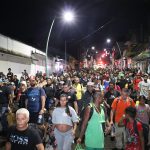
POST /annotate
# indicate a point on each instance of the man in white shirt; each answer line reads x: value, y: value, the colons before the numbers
x: 144, y: 87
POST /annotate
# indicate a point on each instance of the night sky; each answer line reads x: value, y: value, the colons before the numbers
x: 29, y: 21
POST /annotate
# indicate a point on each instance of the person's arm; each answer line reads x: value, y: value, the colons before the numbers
x: 40, y: 147
x: 106, y: 104
x: 112, y: 116
x: 84, y: 124
x: 42, y: 104
x: 8, y: 146
x: 74, y: 128
x: 108, y: 127
x: 26, y: 103
x: 141, y: 139
x: 43, y: 99
x: 75, y: 106
x: 10, y: 99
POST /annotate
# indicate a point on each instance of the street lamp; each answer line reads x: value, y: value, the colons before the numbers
x: 68, y: 16
x: 93, y: 47
x: 108, y: 41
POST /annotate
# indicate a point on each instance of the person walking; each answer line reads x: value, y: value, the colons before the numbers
x: 35, y: 101
x: 64, y: 119
x: 117, y: 111
x: 92, y: 125
x: 21, y: 136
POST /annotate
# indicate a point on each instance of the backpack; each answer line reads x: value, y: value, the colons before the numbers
x: 145, y: 130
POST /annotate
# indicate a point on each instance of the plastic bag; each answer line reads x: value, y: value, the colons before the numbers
x: 79, y: 147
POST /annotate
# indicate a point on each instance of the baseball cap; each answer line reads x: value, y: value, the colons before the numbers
x: 90, y: 84
x: 24, y: 83
x: 61, y: 82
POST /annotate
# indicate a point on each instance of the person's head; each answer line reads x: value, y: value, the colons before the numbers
x: 98, y: 97
x: 138, y: 76
x: 124, y: 93
x: 41, y: 79
x: 49, y: 81
x: 15, y: 76
x: 22, y: 118
x: 121, y: 77
x: 77, y: 80
x: 63, y: 100
x: 9, y: 69
x: 23, y: 85
x: 66, y: 88
x: 90, y: 87
x: 32, y: 81
x: 142, y: 99
x: 25, y: 71
x: 145, y: 78
x: 130, y: 112
x: 28, y: 83
x: 111, y: 86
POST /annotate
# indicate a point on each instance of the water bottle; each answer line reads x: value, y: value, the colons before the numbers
x: 50, y: 120
x: 40, y: 119
x: 113, y: 133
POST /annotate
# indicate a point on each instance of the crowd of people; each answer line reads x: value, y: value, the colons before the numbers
x: 76, y: 107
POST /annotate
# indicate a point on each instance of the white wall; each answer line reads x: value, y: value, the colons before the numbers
x: 17, y: 63
x: 12, y: 45
x: 16, y: 68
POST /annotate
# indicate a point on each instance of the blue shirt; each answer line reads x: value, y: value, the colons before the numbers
x: 34, y: 98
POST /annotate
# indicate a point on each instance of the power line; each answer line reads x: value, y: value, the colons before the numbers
x: 100, y: 28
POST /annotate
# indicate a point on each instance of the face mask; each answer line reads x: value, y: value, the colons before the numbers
x: 145, y: 80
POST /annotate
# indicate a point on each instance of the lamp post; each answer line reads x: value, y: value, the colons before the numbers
x: 108, y: 41
x: 68, y: 16
x: 65, y: 54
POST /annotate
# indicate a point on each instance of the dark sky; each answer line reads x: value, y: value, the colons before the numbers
x: 29, y: 21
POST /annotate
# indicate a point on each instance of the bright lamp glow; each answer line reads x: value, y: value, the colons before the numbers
x: 68, y: 16
x: 108, y: 40
x: 93, y: 47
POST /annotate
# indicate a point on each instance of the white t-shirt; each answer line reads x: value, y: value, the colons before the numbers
x: 144, y: 88
x: 148, y: 80
x: 59, y: 116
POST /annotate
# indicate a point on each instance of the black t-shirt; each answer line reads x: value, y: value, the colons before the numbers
x: 23, y: 97
x: 122, y: 83
x: 110, y: 96
x: 10, y: 75
x: 4, y: 94
x: 23, y: 140
x: 50, y: 91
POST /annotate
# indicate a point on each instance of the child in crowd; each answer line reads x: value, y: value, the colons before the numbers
x: 143, y: 114
x: 134, y: 130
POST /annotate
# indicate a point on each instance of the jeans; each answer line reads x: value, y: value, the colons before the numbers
x: 64, y: 139
x: 120, y: 136
x: 3, y: 116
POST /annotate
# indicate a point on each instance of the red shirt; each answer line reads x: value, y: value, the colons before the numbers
x: 133, y: 139
x: 136, y: 83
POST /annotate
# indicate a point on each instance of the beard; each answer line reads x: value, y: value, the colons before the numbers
x: 32, y: 85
